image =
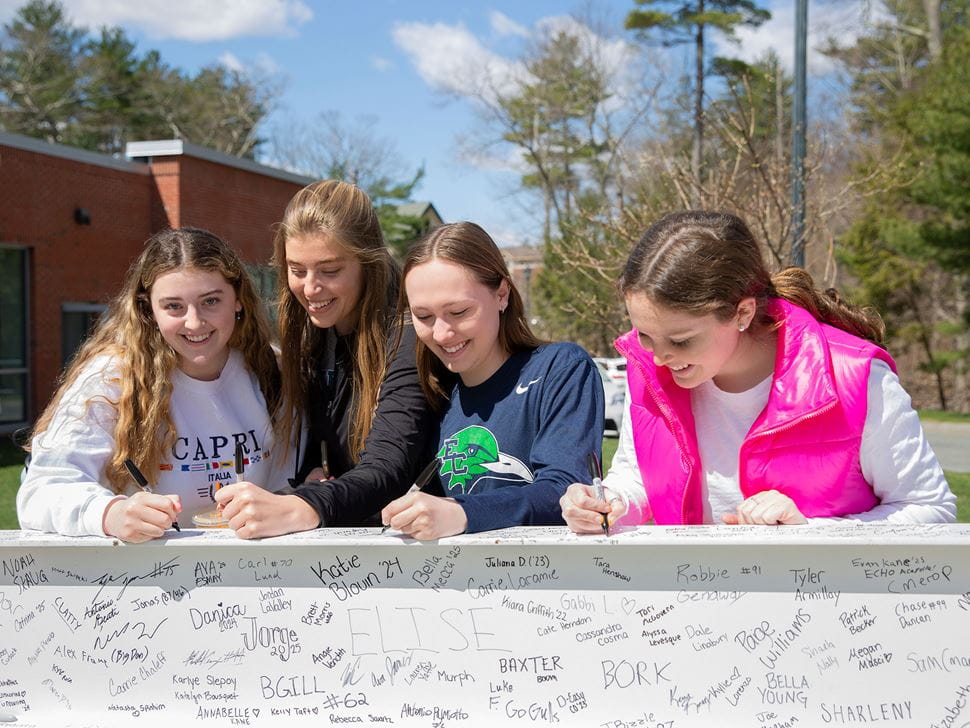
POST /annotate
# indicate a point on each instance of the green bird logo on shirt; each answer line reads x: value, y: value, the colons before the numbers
x: 471, y: 455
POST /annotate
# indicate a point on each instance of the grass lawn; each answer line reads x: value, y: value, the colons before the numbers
x: 940, y: 416
x: 12, y: 460
x: 11, y: 463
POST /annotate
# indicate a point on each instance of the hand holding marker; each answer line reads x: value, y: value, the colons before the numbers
x: 324, y: 468
x: 420, y: 482
x: 240, y: 463
x: 215, y: 518
x: 596, y: 470
x: 143, y: 483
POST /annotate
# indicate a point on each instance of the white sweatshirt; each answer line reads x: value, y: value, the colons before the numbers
x: 63, y: 488
x: 895, y: 456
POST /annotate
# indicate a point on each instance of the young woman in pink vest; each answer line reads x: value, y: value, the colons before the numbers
x: 754, y: 398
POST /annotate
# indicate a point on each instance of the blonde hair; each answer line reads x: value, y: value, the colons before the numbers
x: 707, y: 262
x: 343, y: 213
x: 468, y: 245
x: 128, y: 332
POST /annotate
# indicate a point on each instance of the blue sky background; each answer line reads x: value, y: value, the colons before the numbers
x: 408, y: 65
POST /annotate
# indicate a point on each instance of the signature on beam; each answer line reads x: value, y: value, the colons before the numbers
x: 102, y: 641
x: 166, y: 568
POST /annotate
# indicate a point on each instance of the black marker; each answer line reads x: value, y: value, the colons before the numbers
x: 324, y: 460
x: 596, y: 470
x: 422, y: 480
x: 143, y: 484
x: 240, y: 462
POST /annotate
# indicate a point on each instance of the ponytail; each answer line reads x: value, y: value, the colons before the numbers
x: 796, y: 286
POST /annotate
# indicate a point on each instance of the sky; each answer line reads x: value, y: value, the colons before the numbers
x: 408, y: 67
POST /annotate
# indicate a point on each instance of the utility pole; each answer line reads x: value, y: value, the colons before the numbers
x: 798, y: 136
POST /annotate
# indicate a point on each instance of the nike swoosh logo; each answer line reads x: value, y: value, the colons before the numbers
x: 520, y: 389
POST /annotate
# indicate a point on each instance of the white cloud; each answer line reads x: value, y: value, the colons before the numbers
x: 264, y: 65
x: 232, y: 62
x: 507, y: 158
x: 193, y: 20
x: 8, y: 8
x: 504, y: 25
x: 381, y: 63
x: 451, y: 59
x: 840, y: 20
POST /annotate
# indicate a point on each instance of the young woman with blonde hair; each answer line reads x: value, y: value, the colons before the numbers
x: 519, y: 416
x: 342, y: 366
x: 178, y: 370
x: 755, y: 398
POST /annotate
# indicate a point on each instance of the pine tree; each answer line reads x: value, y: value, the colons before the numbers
x: 40, y: 90
x: 686, y: 22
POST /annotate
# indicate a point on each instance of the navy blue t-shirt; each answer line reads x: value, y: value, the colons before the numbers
x: 510, y: 446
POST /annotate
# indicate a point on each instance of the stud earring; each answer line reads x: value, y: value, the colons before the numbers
x: 742, y: 327
x: 238, y: 315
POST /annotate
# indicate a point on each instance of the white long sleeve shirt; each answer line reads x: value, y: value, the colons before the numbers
x: 64, y: 489
x: 895, y: 456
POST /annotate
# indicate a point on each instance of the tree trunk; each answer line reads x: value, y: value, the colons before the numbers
x: 927, y: 345
x: 697, y: 151
x: 779, y: 116
x: 961, y: 343
x: 547, y: 221
x: 935, y: 37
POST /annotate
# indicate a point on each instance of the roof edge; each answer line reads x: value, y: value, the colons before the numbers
x: 63, y: 151
x: 179, y: 147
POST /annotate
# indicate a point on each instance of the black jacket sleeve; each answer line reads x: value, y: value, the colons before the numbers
x: 400, y: 443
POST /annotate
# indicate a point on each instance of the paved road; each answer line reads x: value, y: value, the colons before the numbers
x: 951, y: 443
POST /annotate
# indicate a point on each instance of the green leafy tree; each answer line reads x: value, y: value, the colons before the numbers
x: 553, y: 118
x: 108, y: 78
x: 222, y: 109
x: 40, y: 93
x: 886, y: 61
x: 759, y: 93
x: 686, y: 22
x: 570, y: 115
x: 400, y: 229
x: 60, y: 84
x: 910, y: 249
x: 563, y: 119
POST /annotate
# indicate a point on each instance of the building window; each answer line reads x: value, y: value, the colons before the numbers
x: 77, y: 321
x: 13, y: 336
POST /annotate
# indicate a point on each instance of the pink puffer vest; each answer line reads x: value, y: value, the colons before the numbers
x: 805, y: 443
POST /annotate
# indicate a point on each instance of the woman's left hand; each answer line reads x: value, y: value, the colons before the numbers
x: 424, y: 516
x: 318, y: 475
x: 256, y: 513
x: 768, y: 508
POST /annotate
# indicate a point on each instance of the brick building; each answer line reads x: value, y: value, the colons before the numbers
x: 71, y: 223
x: 524, y: 262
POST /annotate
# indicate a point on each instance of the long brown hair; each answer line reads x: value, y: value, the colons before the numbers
x: 344, y: 214
x: 468, y: 245
x: 127, y: 331
x: 707, y: 262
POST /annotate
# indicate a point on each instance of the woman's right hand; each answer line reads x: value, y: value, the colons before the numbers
x: 140, y: 517
x: 583, y: 511
x: 253, y: 512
